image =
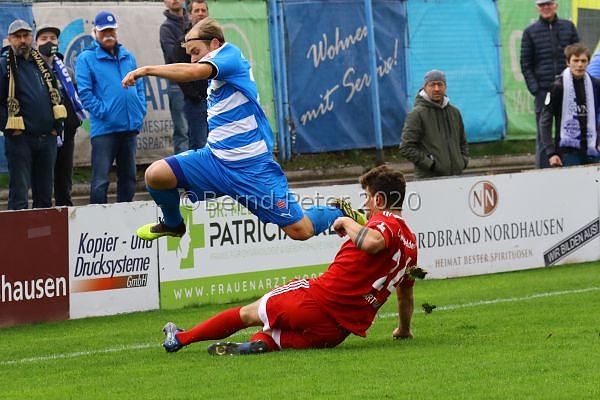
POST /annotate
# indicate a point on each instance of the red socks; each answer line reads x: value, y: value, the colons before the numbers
x: 220, y: 326
x: 268, y: 339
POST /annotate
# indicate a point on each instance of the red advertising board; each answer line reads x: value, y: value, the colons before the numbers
x: 34, y: 266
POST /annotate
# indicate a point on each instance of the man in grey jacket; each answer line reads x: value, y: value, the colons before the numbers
x: 433, y: 137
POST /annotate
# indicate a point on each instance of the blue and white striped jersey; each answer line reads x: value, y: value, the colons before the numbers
x: 238, y: 129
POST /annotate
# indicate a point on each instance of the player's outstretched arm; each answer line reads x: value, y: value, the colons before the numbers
x: 365, y: 239
x: 182, y: 72
x: 405, y: 311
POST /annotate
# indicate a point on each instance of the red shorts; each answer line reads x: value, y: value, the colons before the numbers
x: 296, y: 320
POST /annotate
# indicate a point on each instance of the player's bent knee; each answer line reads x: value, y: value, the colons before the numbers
x: 160, y: 176
x: 249, y: 314
x: 300, y: 230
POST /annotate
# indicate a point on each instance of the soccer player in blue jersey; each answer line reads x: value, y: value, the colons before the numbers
x: 237, y: 160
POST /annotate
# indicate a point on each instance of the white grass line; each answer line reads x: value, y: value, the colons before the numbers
x: 497, y: 301
x: 80, y: 354
x: 140, y: 346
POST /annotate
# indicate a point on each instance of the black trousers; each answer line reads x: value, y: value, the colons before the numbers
x: 63, y: 170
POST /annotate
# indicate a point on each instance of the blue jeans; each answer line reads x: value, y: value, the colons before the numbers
x: 120, y: 146
x: 180, y: 126
x: 195, y: 113
x: 30, y: 164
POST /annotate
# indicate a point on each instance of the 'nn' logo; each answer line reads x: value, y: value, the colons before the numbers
x: 194, y: 239
x: 483, y: 198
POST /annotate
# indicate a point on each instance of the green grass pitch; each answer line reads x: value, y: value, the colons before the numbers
x: 523, y: 335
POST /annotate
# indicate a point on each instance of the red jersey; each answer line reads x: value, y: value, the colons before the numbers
x: 357, y: 283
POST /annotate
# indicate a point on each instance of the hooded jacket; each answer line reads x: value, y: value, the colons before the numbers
x: 434, y: 139
x: 111, y: 108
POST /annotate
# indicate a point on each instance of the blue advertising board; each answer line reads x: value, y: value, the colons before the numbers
x: 328, y: 73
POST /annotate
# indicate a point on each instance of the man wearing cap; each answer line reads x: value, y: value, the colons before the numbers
x: 433, y: 137
x: 31, y: 116
x: 542, y: 59
x: 46, y: 41
x: 116, y: 114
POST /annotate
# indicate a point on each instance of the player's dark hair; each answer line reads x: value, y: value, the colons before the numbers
x: 577, y: 49
x: 387, y: 182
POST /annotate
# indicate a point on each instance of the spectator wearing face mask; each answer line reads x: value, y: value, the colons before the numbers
x: 46, y: 41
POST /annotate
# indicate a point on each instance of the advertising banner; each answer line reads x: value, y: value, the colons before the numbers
x: 245, y: 25
x: 461, y: 38
x: 515, y: 16
x: 496, y: 223
x: 228, y: 254
x: 464, y: 226
x: 34, y: 271
x: 328, y: 74
x: 586, y: 16
x: 111, y: 270
x: 138, y: 31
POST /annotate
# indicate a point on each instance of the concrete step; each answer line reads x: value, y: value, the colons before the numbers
x: 326, y: 176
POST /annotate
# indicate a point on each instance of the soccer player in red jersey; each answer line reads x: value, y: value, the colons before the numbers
x: 321, y: 312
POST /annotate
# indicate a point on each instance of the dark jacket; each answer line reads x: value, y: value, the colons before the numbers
x: 434, y: 138
x: 33, y: 96
x: 552, y: 112
x: 170, y: 31
x: 195, y: 90
x: 542, y: 51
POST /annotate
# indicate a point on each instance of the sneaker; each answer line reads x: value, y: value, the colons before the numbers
x: 348, y: 211
x: 233, y: 349
x: 154, y: 231
x: 171, y: 344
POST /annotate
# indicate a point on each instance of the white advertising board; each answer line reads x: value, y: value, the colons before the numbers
x: 486, y: 224
x: 111, y: 270
x: 464, y: 226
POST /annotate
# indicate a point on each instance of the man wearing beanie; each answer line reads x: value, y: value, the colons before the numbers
x: 434, y: 138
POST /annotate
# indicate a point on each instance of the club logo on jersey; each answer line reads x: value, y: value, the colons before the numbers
x: 483, y: 198
x: 280, y: 204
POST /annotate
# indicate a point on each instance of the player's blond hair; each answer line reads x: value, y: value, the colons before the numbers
x: 206, y: 29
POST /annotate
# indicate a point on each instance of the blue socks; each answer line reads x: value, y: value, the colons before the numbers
x: 322, y: 217
x: 168, y: 201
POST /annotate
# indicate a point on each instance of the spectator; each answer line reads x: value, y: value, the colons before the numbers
x: 574, y: 103
x: 116, y: 115
x: 31, y: 117
x: 542, y: 59
x: 194, y: 92
x: 321, y: 312
x: 46, y: 41
x: 594, y: 67
x: 433, y: 137
x: 171, y: 30
x: 238, y: 159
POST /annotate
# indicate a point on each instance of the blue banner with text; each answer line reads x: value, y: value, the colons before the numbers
x: 328, y: 73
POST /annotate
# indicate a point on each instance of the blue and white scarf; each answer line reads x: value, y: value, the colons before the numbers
x: 570, y: 129
x: 67, y: 83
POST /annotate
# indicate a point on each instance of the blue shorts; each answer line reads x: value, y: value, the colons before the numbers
x: 261, y: 187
